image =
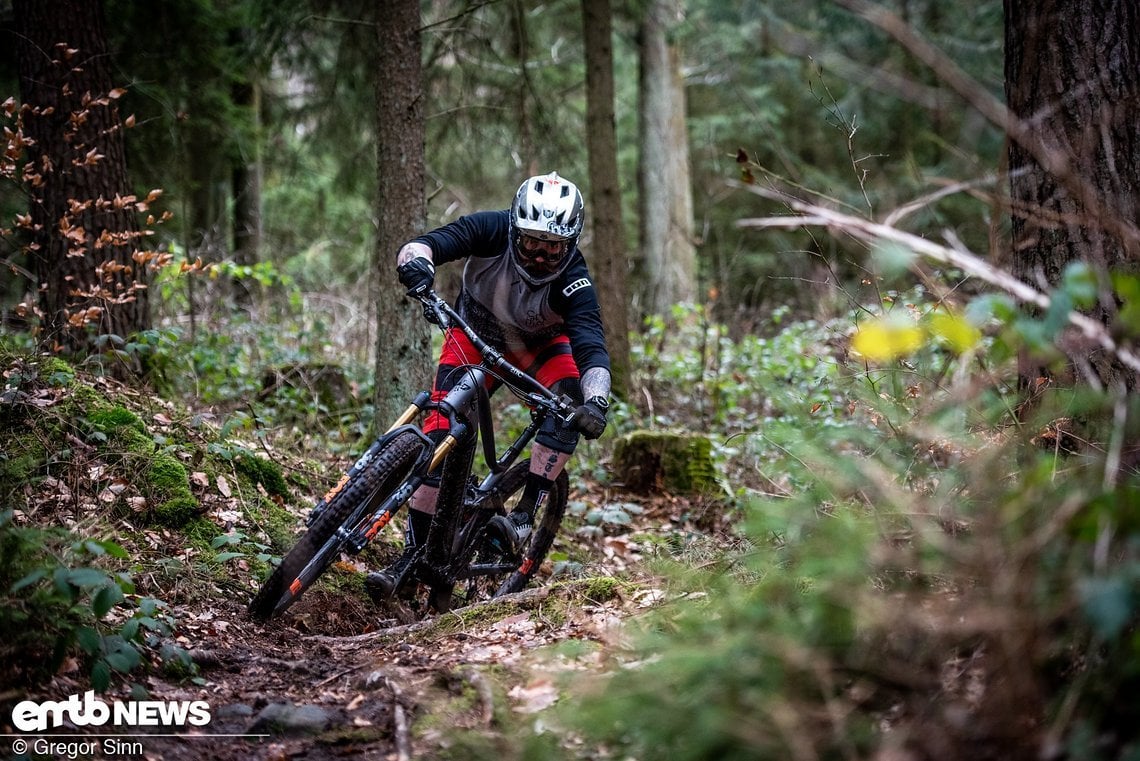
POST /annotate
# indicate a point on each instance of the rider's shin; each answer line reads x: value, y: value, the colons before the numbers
x: 545, y: 465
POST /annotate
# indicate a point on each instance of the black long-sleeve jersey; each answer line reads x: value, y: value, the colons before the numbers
x: 510, y: 313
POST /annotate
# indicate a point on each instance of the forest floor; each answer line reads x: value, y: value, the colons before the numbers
x: 340, y: 677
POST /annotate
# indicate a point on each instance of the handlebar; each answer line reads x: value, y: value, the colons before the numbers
x: 445, y: 317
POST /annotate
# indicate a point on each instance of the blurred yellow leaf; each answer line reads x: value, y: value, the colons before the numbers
x: 955, y: 330
x: 883, y: 340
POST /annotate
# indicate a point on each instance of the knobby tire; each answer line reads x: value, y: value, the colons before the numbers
x: 386, y: 471
x: 546, y: 526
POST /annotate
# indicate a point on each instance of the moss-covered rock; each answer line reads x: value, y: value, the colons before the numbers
x: 56, y: 372
x: 262, y: 471
x: 109, y: 419
x: 167, y: 486
x: 176, y: 512
x: 602, y: 588
x: 679, y: 463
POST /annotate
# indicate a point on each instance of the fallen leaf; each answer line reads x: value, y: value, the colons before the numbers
x: 534, y: 697
x: 649, y: 597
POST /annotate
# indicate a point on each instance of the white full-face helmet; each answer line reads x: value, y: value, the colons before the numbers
x: 546, y: 222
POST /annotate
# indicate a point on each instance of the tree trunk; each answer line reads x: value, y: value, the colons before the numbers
x: 85, y: 229
x: 608, y: 261
x: 1072, y: 79
x: 246, y: 176
x: 206, y: 177
x: 520, y: 48
x: 666, y: 196
x: 403, y: 351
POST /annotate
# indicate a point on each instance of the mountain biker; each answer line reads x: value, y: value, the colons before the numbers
x: 527, y: 291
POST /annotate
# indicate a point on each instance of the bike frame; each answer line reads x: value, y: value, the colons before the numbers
x: 467, y: 396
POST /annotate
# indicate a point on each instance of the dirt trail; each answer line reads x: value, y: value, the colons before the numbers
x: 314, y: 694
x: 338, y: 677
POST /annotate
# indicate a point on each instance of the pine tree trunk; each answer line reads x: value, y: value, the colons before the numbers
x: 666, y: 196
x: 608, y: 261
x: 403, y: 351
x: 524, y: 87
x: 1072, y: 79
x: 246, y: 186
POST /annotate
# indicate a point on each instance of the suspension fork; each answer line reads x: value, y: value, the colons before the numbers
x: 457, y: 401
x: 360, y: 537
x: 415, y: 408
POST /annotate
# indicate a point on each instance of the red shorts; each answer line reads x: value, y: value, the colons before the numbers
x: 550, y: 363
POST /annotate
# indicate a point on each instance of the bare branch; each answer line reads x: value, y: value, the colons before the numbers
x: 1059, y: 163
x: 954, y: 255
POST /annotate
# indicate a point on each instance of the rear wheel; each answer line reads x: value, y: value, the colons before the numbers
x: 547, y: 522
x: 488, y: 570
x: 392, y: 463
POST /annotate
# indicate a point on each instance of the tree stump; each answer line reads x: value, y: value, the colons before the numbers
x: 664, y: 461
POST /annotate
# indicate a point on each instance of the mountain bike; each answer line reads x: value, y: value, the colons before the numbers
x: 459, y: 562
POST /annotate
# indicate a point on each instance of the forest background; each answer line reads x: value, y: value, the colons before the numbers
x: 812, y: 226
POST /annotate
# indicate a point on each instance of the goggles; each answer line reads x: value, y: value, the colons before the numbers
x: 541, y: 254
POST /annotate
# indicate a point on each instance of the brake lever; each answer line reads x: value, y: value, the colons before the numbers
x: 430, y: 302
x: 566, y: 409
x: 562, y: 407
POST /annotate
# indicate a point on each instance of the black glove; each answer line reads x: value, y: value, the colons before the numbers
x: 590, y: 418
x: 417, y: 275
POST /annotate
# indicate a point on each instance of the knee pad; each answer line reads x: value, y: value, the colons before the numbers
x: 558, y: 436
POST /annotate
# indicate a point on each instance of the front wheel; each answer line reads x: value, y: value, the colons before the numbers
x: 391, y: 464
